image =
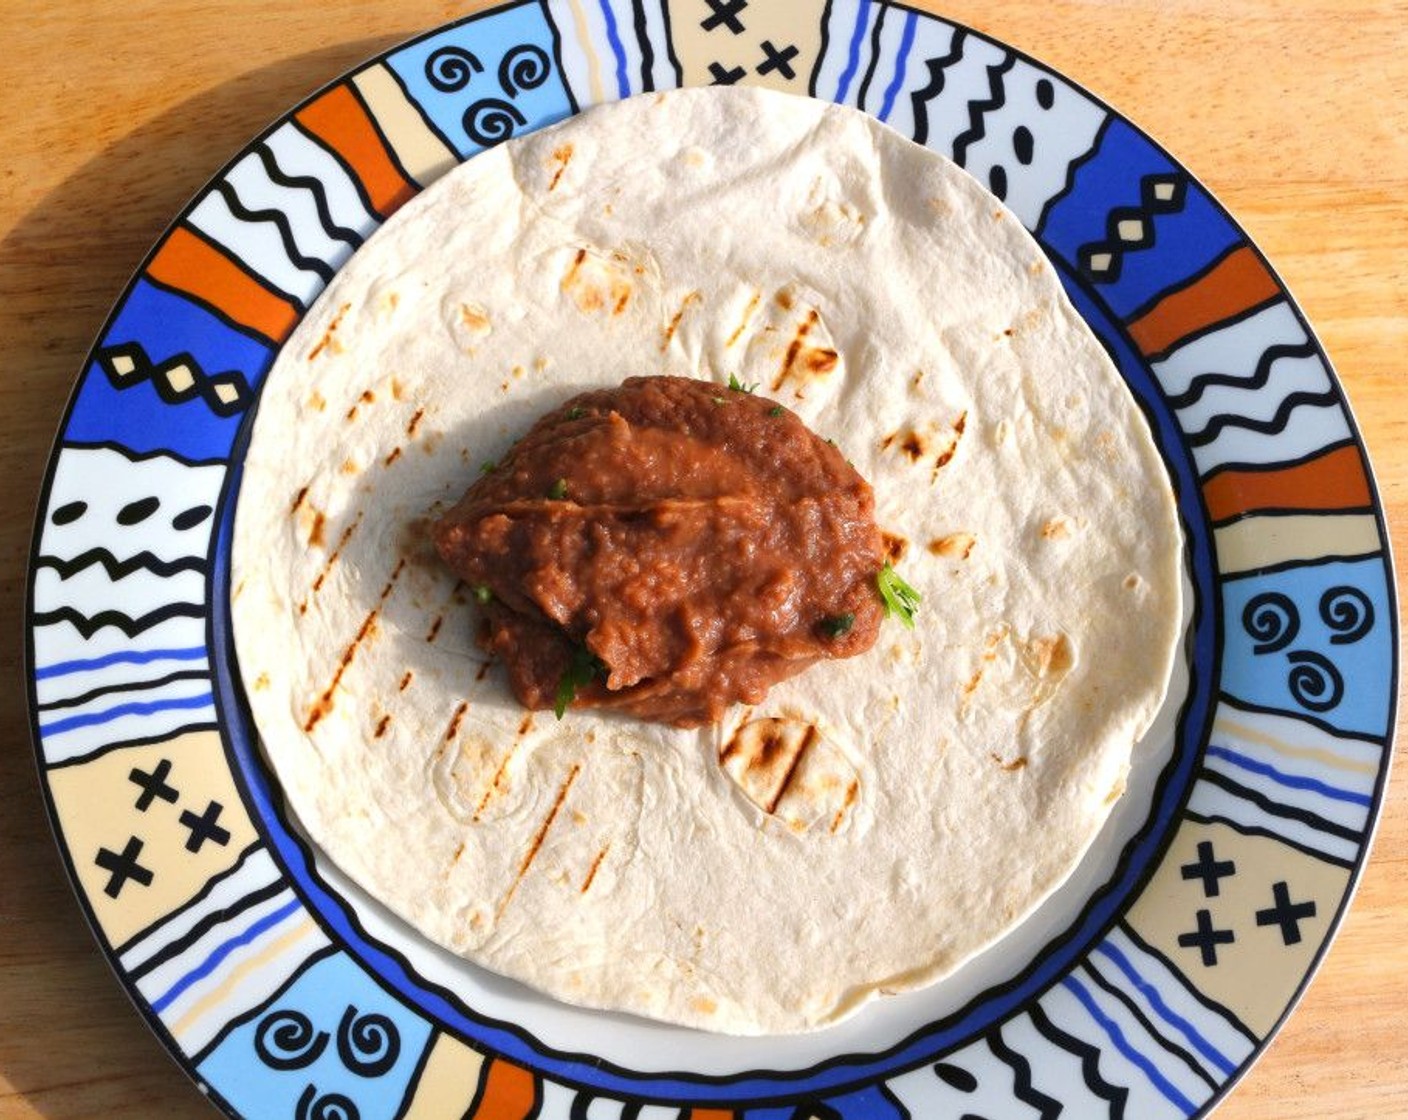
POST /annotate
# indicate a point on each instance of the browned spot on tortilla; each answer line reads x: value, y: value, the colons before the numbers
x: 527, y: 724
x: 392, y: 457
x: 955, y: 546
x: 562, y: 157
x: 454, y: 728
x: 895, y: 547
x: 261, y: 682
x: 970, y: 686
x: 704, y: 1005
x: 315, y: 535
x: 398, y: 391
x: 1018, y: 763
x: 335, y: 553
x: 414, y: 423
x: 571, y: 274
x: 916, y: 379
x: 669, y: 331
x: 349, y: 467
x: 851, y: 791
x: 595, y: 867
x: 316, y: 401
x: 794, y: 348
x: 327, y: 339
x: 435, y: 625
x: 474, y: 319
x: 784, y: 299
x: 381, y: 726
x: 1057, y: 529
x: 1051, y: 656
x: 1131, y: 581
x: 298, y: 500
x: 914, y: 446
x: 747, y: 318
x: 405, y: 681
x: 537, y: 844
x: 459, y: 851
x: 961, y: 424
x: 483, y: 671
x: 367, y: 397
x: 623, y: 297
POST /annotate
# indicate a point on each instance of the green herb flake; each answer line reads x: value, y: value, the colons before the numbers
x: 900, y: 599
x: 775, y: 410
x: 576, y: 412
x: 738, y: 386
x: 488, y: 466
x: 583, y: 668
x: 558, y: 490
x: 482, y: 593
x: 837, y: 625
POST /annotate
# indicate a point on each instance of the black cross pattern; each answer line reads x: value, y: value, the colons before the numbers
x: 1285, y: 914
x: 153, y: 784
x: 203, y: 827
x: 1206, y: 939
x: 725, y: 14
x: 123, y: 866
x: 725, y: 77
x: 1209, y: 869
x: 779, y: 60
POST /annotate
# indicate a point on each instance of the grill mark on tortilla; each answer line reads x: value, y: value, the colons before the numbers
x: 298, y: 500
x: 943, y: 460
x: 395, y: 454
x: 795, y: 347
x: 571, y: 273
x: 747, y: 318
x: 367, y: 397
x: 595, y: 867
x: 562, y: 156
x: 1018, y: 763
x: 959, y: 545
x: 483, y: 671
x: 455, y: 720
x: 537, y: 844
x: 527, y: 724
x: 669, y: 331
x: 851, y: 791
x: 331, y: 560
x: 381, y: 726
x: 415, y: 423
x: 405, y: 681
x: 493, y: 786
x: 326, y: 340
x: 315, y: 535
x: 324, y: 702
x: 435, y: 627
x: 808, y: 739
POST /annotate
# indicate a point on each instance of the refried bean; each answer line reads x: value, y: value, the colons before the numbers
x: 665, y: 549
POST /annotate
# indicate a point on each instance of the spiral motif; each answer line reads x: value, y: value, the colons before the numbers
x: 328, y: 1106
x: 452, y: 68
x: 287, y: 1040
x: 1348, y: 612
x: 367, y: 1044
x: 1315, y: 684
x: 492, y: 121
x: 1272, y: 619
x: 524, y: 67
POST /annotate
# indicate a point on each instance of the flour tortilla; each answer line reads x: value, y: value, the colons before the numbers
x: 958, y: 771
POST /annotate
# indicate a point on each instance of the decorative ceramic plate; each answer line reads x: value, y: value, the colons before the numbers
x: 1143, y: 989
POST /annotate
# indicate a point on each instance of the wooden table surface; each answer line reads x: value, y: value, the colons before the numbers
x: 1293, y: 112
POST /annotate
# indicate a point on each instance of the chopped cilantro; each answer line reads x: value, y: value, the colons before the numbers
x: 558, y: 490
x: 576, y: 412
x: 775, y: 410
x: 901, y: 600
x: 837, y: 625
x: 482, y: 593
x: 738, y: 386
x: 488, y: 466
x: 583, y: 668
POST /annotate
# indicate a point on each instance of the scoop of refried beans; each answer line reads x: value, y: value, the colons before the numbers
x: 665, y: 549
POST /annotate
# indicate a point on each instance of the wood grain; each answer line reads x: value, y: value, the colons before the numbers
x: 1293, y: 112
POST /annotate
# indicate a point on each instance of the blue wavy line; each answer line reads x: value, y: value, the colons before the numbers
x: 135, y: 708
x: 853, y: 52
x: 212, y: 962
x: 1166, y: 1013
x: 901, y: 63
x: 1289, y: 780
x: 1169, y: 1090
x: 623, y: 84
x: 122, y: 657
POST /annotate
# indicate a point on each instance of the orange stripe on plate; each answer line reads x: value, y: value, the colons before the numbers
x: 711, y: 1114
x: 1333, y: 481
x: 1235, y: 284
x: 510, y: 1093
x: 339, y: 120
x: 196, y: 267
